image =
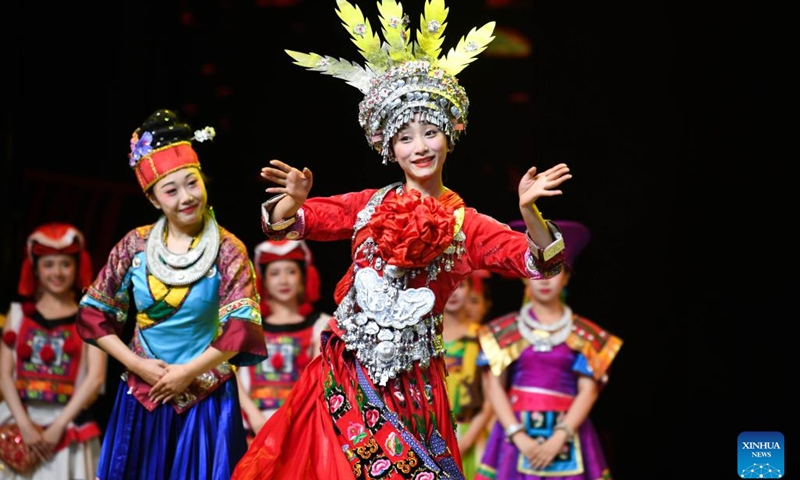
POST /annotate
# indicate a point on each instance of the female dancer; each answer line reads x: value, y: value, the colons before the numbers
x: 548, y: 366
x: 48, y: 376
x: 374, y: 403
x: 471, y: 409
x: 289, y: 285
x: 190, y: 286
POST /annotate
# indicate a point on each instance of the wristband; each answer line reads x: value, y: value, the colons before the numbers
x: 282, y: 225
x: 550, y: 251
x: 266, y: 210
x: 565, y: 427
x: 512, y: 430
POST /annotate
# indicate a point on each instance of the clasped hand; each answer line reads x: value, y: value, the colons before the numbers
x: 41, y: 442
x: 539, y: 454
x: 167, y: 380
x: 174, y: 382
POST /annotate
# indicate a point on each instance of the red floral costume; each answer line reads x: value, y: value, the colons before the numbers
x: 348, y: 416
x: 49, y: 366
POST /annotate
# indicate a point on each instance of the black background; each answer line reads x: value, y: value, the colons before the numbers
x: 669, y: 115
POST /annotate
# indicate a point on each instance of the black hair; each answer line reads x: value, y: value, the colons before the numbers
x: 166, y: 128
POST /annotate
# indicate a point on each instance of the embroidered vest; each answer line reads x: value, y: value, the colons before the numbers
x: 289, y: 353
x: 48, y: 359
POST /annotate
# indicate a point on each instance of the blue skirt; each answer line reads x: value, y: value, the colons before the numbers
x: 203, y: 443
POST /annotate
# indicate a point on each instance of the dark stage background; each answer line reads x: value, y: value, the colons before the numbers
x: 666, y: 114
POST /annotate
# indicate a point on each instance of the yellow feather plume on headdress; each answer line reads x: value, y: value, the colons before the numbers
x: 368, y: 43
x: 468, y: 48
x: 430, y: 34
x: 401, y: 78
x: 394, y: 30
x: 353, y: 73
x: 396, y: 47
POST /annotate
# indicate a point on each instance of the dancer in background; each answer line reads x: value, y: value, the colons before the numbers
x: 49, y: 377
x: 547, y: 366
x: 471, y: 409
x: 479, y: 301
x: 374, y: 404
x: 289, y: 285
x: 191, y: 289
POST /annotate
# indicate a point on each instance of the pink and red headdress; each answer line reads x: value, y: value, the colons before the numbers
x: 297, y: 250
x: 54, y: 239
x: 162, y: 145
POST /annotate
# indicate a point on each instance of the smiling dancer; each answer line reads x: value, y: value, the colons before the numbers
x: 374, y: 404
x: 191, y: 289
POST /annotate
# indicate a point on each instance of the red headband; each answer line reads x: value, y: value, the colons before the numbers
x: 163, y: 161
x: 54, y: 239
x: 297, y: 250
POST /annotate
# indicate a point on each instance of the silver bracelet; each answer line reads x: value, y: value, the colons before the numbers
x: 565, y: 427
x: 512, y: 430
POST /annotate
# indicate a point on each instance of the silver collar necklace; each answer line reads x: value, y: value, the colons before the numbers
x: 182, y: 268
x: 544, y: 337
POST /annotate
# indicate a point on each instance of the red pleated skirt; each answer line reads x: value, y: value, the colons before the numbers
x: 337, y: 425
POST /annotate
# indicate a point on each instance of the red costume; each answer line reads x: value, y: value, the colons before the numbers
x: 349, y: 416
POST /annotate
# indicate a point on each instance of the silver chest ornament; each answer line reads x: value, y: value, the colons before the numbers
x: 386, y: 324
x: 389, y: 332
x: 179, y: 269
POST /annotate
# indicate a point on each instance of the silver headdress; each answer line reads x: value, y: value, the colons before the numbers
x: 400, y: 79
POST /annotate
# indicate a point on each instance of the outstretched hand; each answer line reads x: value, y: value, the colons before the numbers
x: 535, y: 185
x: 293, y: 182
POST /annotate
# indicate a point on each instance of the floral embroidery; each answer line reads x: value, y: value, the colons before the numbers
x: 393, y: 444
x: 335, y: 402
x: 355, y: 432
x: 380, y: 466
x: 372, y: 416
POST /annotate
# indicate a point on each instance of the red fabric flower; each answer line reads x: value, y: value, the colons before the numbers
x: 10, y: 338
x: 47, y: 354
x: 24, y: 352
x: 73, y: 345
x: 277, y: 361
x: 410, y: 230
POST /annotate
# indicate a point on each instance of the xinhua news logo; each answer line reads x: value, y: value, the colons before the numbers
x: 760, y: 455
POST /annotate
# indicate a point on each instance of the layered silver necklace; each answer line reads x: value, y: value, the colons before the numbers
x: 182, y: 268
x: 544, y: 337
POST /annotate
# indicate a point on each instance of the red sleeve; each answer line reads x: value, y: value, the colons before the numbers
x: 333, y: 218
x: 93, y: 324
x: 240, y: 318
x: 246, y: 338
